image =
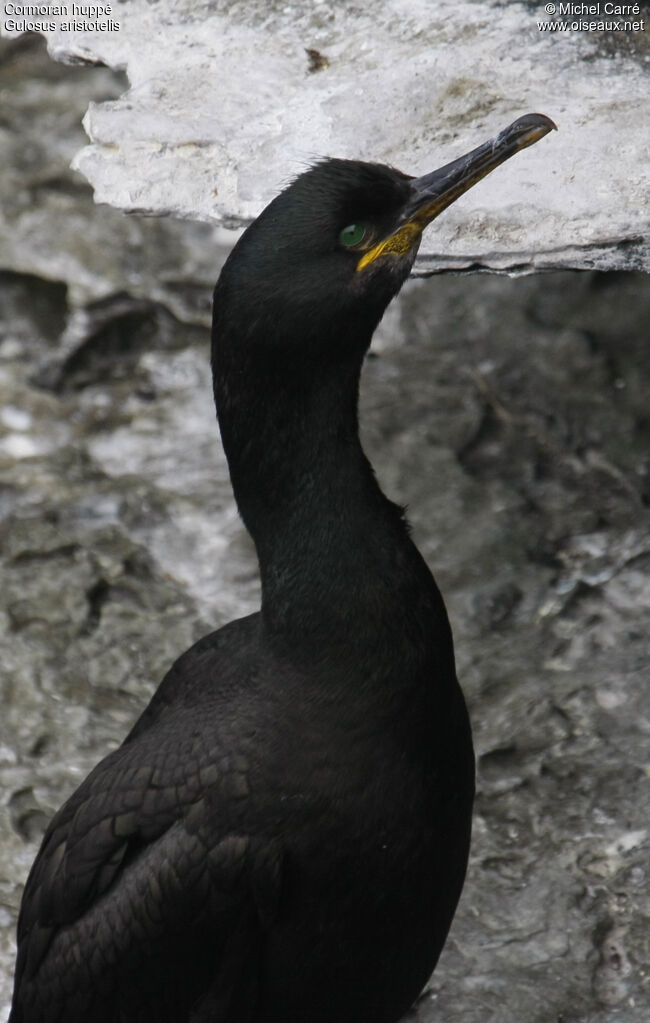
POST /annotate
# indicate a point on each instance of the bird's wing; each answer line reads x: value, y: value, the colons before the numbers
x: 143, y: 873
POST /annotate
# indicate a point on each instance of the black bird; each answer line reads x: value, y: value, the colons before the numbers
x: 283, y: 835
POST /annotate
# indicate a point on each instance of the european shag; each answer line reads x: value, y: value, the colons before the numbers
x: 283, y: 835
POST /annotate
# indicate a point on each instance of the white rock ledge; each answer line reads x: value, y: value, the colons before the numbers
x: 223, y: 111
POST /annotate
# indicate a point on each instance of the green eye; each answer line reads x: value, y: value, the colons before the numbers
x: 352, y: 234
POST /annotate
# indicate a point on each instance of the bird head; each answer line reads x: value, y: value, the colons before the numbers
x: 323, y: 260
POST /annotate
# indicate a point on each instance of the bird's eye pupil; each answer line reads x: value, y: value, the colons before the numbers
x: 352, y: 234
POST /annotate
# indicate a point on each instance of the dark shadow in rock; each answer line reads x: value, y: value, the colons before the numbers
x: 33, y: 311
x: 116, y: 332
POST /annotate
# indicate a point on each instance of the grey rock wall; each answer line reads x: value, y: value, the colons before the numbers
x: 510, y: 415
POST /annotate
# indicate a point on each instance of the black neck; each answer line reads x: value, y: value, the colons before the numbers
x: 335, y: 558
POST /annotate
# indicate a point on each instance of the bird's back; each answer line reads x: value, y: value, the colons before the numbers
x: 247, y: 843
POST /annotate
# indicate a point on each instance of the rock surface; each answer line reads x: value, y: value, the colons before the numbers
x: 510, y: 415
x: 227, y: 101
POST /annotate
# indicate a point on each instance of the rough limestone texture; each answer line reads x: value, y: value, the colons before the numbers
x: 511, y: 416
x: 229, y: 100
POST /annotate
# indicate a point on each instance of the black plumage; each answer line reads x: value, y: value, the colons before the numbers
x: 283, y: 835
